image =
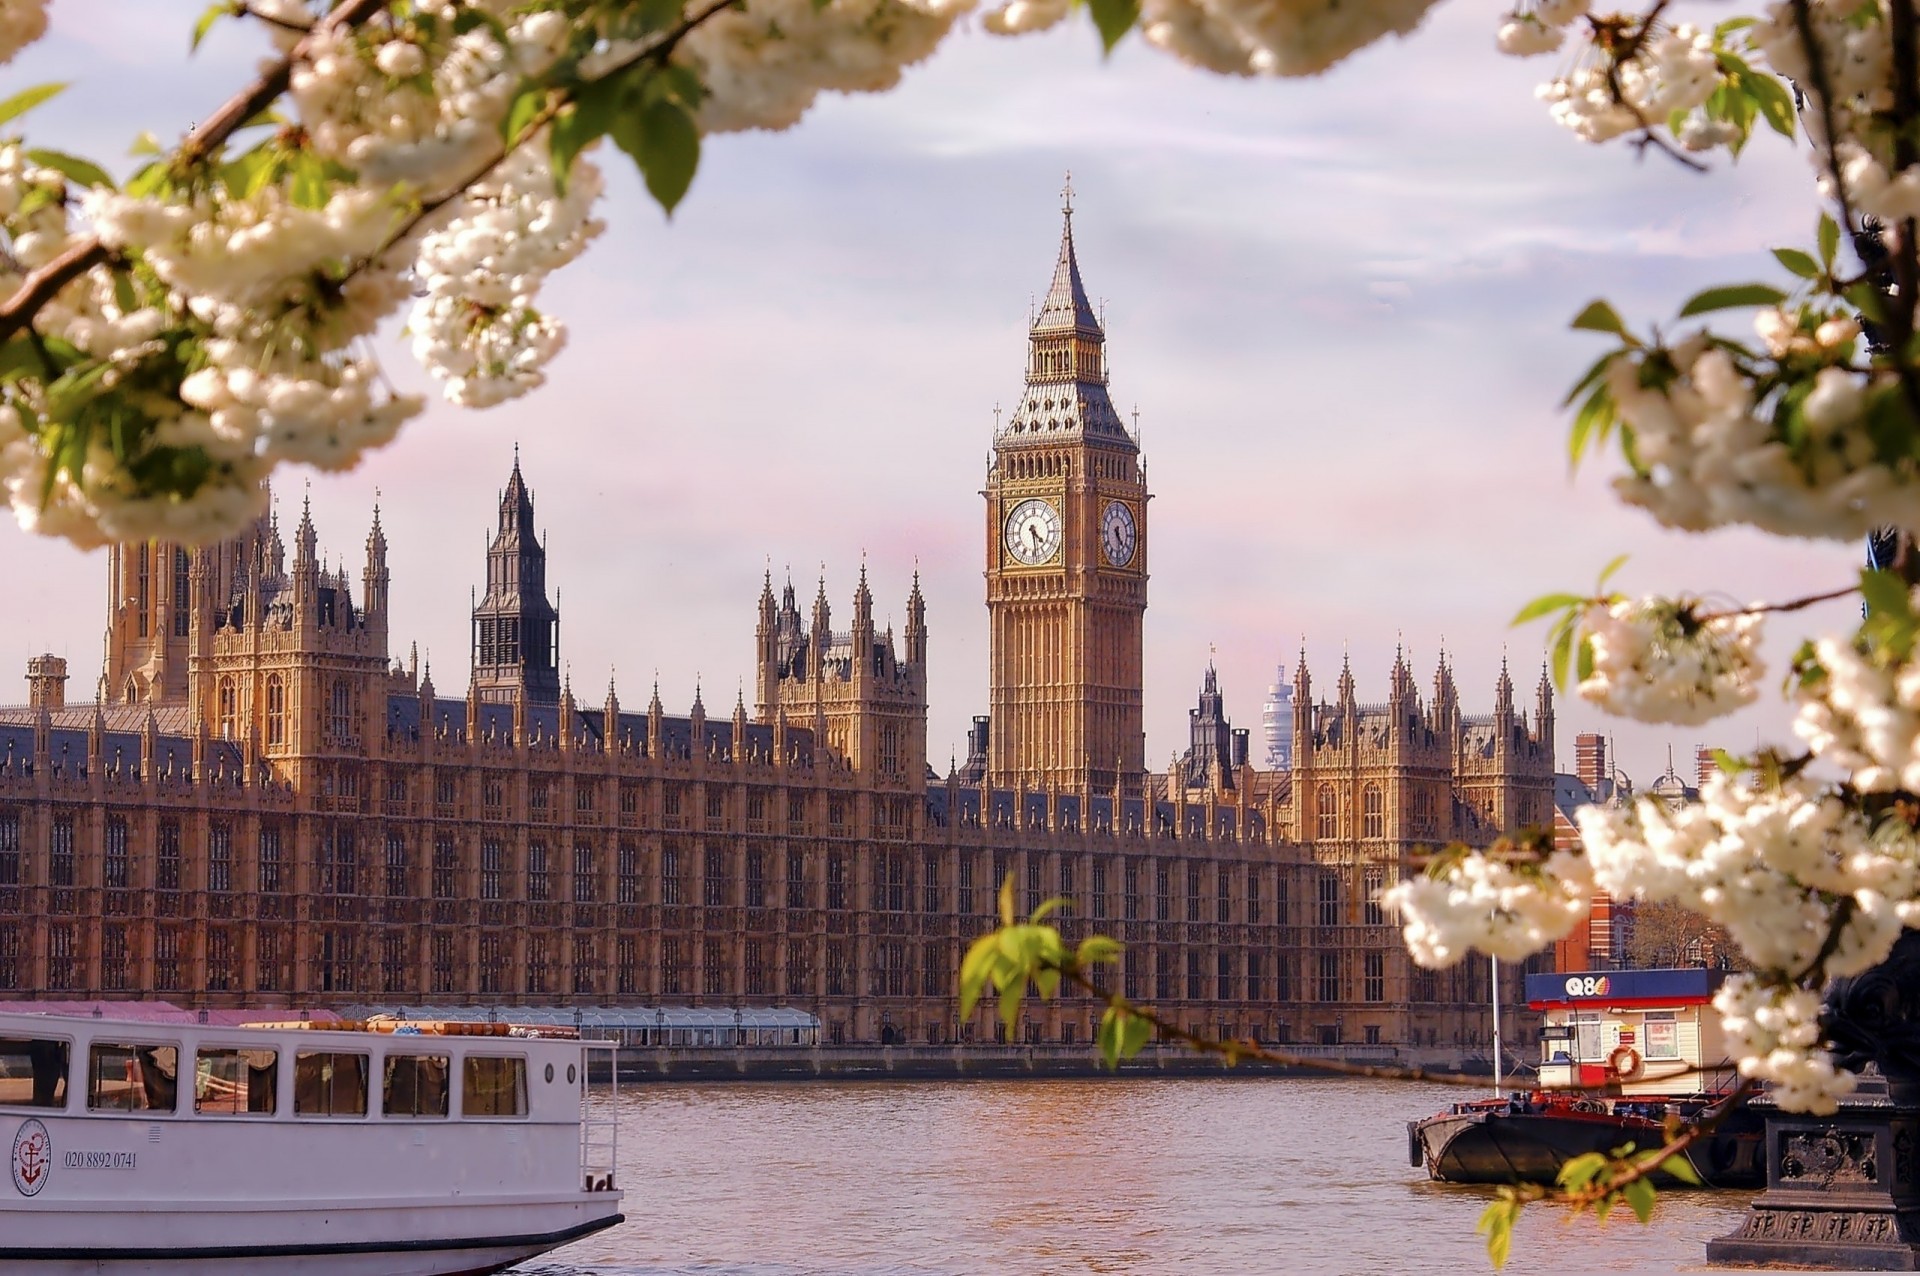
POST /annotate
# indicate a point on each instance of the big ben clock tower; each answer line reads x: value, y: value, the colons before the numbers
x: 1066, y: 561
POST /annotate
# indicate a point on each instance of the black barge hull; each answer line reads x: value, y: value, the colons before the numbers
x: 1504, y: 1146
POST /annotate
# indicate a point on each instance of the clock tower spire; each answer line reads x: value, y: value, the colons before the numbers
x: 1066, y: 559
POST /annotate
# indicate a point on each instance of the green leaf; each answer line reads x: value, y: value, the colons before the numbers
x: 1640, y: 1196
x: 663, y: 142
x: 1560, y: 648
x: 1732, y: 296
x: 1591, y: 424
x: 145, y: 144
x: 1606, y: 573
x: 1006, y: 901
x: 1107, y: 1039
x: 1135, y: 1032
x: 975, y: 969
x: 1496, y: 1224
x: 214, y: 12
x: 86, y: 172
x: 1544, y: 605
x: 1095, y: 949
x: 1580, y: 1170
x: 1048, y: 907
x: 1797, y: 262
x: 1677, y: 1165
x: 1583, y: 658
x: 1593, y: 373
x: 1600, y: 317
x: 25, y: 100
x: 1829, y: 235
x: 525, y: 106
x: 1772, y: 98
x: 1886, y: 594
x: 1114, y: 18
x: 1010, y: 997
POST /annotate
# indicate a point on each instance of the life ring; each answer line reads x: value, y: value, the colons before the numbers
x: 1624, y: 1063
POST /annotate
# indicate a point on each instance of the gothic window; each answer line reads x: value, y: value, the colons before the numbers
x: 1329, y: 989
x: 756, y: 877
x: 442, y: 962
x: 1374, y: 977
x: 396, y: 864
x: 894, y: 885
x: 114, y: 950
x: 9, y: 848
x: 275, y: 710
x: 1329, y: 899
x: 796, y: 878
x: 799, y: 968
x: 673, y: 966
x: 1099, y: 888
x: 538, y: 887
x: 446, y: 867
x: 60, y: 852
x: 1373, y: 812
x: 713, y: 967
x: 393, y: 962
x: 166, y: 871
x: 1162, y: 891
x: 1193, y: 891
x: 1223, y: 982
x: 182, y: 593
x: 340, y: 711
x: 756, y: 806
x: 1373, y: 882
x: 670, y: 877
x: 1254, y: 917
x: 626, y: 962
x: 1223, y: 898
x: 1327, y: 808
x: 339, y: 861
x: 930, y: 882
x: 493, y: 865
x: 1256, y: 976
x: 836, y: 880
x: 143, y: 586
x: 219, y: 856
x: 269, y: 860
x: 117, y: 864
x: 889, y: 750
x: 536, y: 963
x: 628, y: 871
x: 586, y: 967
x: 229, y: 702
x: 586, y: 874
x: 963, y: 889
x: 493, y: 960
x: 714, y: 880
x: 1033, y: 879
x: 1196, y: 975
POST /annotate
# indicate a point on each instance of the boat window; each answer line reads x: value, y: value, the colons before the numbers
x: 1663, y: 1035
x: 1586, y: 1037
x: 416, y: 1085
x: 236, y: 1082
x: 494, y: 1086
x: 132, y: 1078
x: 33, y: 1072
x: 327, y: 1084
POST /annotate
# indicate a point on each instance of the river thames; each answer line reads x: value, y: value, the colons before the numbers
x: 1236, y: 1175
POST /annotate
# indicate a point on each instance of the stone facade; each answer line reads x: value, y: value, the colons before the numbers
x: 262, y: 806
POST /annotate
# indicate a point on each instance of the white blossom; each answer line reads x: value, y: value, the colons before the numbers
x: 1656, y: 660
x: 1774, y: 1032
x: 1479, y: 901
x: 1524, y: 36
x: 1273, y: 37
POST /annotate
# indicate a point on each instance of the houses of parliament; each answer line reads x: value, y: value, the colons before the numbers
x: 262, y: 806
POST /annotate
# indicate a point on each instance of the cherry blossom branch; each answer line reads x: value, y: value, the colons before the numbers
x: 660, y: 51
x: 1649, y: 135
x: 43, y: 284
x: 1795, y: 604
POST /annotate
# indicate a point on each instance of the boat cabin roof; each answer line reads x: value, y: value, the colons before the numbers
x: 1623, y: 989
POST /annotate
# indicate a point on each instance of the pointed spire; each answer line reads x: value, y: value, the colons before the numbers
x: 377, y: 537
x: 1066, y: 305
x: 1503, y: 690
x: 306, y: 543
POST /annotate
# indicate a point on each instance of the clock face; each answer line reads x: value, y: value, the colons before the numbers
x: 1116, y: 533
x: 1033, y: 531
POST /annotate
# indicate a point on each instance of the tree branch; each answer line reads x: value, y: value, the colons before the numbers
x: 42, y: 285
x: 1794, y: 604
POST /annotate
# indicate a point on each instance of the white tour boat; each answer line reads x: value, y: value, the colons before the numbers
x: 392, y: 1148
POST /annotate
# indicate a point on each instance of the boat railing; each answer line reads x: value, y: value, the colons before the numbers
x: 599, y: 1119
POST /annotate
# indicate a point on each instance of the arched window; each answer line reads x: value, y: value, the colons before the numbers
x: 229, y: 709
x: 276, y: 710
x: 340, y: 710
x: 1327, y: 806
x: 1373, y: 813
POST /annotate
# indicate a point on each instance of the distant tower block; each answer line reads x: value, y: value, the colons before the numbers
x: 1276, y: 722
x: 1590, y: 758
x: 1705, y: 767
x: 47, y: 682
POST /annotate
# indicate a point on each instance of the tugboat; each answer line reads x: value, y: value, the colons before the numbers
x: 1621, y: 1052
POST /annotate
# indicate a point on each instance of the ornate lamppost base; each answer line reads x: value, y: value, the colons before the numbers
x: 1843, y: 1192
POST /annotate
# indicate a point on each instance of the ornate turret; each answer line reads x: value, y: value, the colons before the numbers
x: 516, y: 631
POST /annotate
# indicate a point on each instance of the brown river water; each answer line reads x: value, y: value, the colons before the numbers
x: 1231, y: 1175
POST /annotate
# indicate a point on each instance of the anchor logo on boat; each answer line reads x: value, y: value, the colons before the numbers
x: 32, y: 1157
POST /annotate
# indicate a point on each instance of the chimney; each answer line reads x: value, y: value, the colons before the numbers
x: 47, y: 682
x: 1590, y: 759
x: 1239, y: 749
